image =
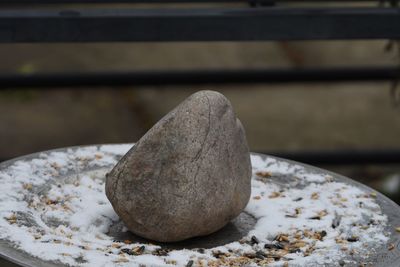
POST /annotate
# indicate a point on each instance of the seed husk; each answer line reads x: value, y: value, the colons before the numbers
x: 127, y: 251
x: 254, y: 240
x: 274, y: 246
x: 277, y: 256
x: 261, y: 255
x: 250, y: 255
x: 116, y: 245
x: 294, y: 250
x: 274, y: 195
x: 264, y: 174
x: 12, y: 219
x: 121, y: 259
x: 353, y: 239
x: 161, y: 252
x: 282, y: 238
x: 336, y: 221
x: 37, y: 236
x: 27, y: 186
x: 320, y: 235
x: 218, y: 254
x: 299, y: 244
x: 322, y: 213
x: 138, y: 250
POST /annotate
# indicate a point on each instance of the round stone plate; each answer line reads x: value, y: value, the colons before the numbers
x: 232, y: 232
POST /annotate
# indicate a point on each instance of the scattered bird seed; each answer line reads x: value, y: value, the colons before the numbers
x: 299, y: 241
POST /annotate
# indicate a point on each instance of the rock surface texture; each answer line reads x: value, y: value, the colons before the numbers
x: 187, y: 176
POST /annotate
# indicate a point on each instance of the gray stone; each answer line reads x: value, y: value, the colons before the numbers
x: 187, y: 176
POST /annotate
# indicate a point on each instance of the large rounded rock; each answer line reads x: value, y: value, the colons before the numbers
x: 187, y: 176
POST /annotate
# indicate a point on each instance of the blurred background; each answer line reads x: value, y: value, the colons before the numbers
x: 284, y: 118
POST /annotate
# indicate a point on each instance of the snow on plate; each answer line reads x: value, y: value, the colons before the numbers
x: 303, y: 218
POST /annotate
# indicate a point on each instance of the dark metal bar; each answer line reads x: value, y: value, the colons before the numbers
x: 35, y: 2
x: 223, y: 24
x: 57, y: 2
x: 198, y: 77
x: 342, y: 157
x: 122, y: 1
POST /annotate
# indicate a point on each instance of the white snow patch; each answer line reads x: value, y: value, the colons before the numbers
x: 71, y: 220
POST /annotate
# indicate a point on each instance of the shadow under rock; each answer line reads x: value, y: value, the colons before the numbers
x: 233, y: 231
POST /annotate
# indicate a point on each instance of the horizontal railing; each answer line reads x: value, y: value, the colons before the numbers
x: 197, y: 24
x: 252, y: 2
x: 91, y: 80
